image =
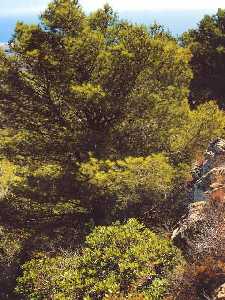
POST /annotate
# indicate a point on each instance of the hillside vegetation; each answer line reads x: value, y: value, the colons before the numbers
x: 99, y: 132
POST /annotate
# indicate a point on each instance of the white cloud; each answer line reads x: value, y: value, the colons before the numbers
x: 21, y: 7
x: 28, y: 7
x: 154, y: 4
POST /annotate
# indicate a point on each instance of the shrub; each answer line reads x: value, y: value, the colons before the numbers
x: 118, y: 259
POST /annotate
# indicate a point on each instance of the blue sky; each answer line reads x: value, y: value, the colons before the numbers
x: 177, y: 15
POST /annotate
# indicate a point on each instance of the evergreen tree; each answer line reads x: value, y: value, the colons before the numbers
x: 208, y: 59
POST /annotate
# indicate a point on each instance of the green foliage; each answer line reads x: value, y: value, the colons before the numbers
x: 84, y: 84
x: 76, y: 87
x: 11, y: 247
x: 63, y: 17
x: 103, y: 20
x: 207, y: 123
x: 116, y: 259
x: 129, y: 185
x: 7, y: 177
x: 193, y: 135
x: 208, y: 53
x: 96, y: 127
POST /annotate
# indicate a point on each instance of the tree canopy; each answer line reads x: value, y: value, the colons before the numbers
x: 208, y: 56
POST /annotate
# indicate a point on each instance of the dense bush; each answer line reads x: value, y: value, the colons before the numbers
x: 116, y: 259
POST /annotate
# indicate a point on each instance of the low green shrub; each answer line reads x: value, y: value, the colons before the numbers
x: 118, y: 259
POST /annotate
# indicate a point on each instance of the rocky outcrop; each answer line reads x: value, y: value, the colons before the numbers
x: 184, y: 236
x: 219, y: 294
x: 201, y: 232
x: 209, y: 177
x: 208, y: 191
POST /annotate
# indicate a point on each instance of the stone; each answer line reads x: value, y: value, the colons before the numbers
x: 210, y: 175
x: 220, y: 293
x: 184, y: 235
x: 196, y: 228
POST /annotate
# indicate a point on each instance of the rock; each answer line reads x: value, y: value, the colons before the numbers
x: 220, y: 293
x: 185, y: 235
x: 203, y: 226
x: 210, y: 175
x: 5, y: 47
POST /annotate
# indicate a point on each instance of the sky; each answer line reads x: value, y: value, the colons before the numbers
x: 177, y: 15
x: 25, y: 7
x: 155, y: 4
